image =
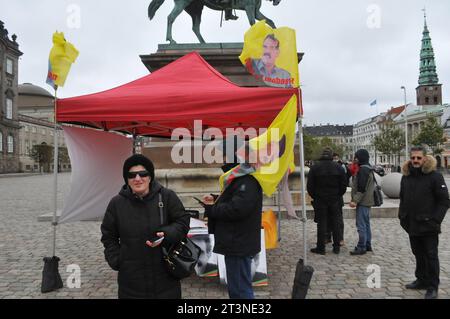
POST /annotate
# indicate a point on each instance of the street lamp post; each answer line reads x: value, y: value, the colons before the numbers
x: 406, y: 126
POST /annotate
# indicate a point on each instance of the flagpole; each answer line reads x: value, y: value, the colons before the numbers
x: 55, y: 176
x: 59, y: 55
x: 303, y: 189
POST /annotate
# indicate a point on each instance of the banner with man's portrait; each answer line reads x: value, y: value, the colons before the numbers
x: 271, y: 55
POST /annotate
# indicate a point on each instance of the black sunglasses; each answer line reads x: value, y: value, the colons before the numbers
x: 416, y: 158
x: 132, y: 175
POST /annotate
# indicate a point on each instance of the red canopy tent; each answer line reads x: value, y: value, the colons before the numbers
x: 173, y: 97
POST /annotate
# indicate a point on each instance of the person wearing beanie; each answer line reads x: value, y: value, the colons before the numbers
x: 129, y: 229
x: 235, y: 220
x: 363, y: 186
x: 326, y: 185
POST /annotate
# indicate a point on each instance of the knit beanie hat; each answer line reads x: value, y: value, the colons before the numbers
x: 229, y: 146
x: 135, y: 160
x: 327, y: 153
x: 363, y: 156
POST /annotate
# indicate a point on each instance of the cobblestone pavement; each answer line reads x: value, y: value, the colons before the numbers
x: 24, y: 241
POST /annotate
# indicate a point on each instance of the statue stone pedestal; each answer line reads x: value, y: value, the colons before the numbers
x: 224, y: 57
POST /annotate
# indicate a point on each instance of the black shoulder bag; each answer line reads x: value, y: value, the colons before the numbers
x: 180, y: 258
x: 377, y: 195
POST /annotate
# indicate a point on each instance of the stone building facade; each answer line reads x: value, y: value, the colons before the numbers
x: 338, y: 134
x: 36, y: 108
x: 9, y: 115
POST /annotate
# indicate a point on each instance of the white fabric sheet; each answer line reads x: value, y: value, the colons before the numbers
x: 97, y: 159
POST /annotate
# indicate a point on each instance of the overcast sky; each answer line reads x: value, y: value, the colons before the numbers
x: 355, y: 50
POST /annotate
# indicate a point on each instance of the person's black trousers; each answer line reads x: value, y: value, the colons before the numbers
x: 327, y: 214
x: 425, y: 249
x: 340, y: 220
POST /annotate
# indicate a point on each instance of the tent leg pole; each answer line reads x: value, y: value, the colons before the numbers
x: 55, y: 189
x: 55, y: 181
x: 303, y: 189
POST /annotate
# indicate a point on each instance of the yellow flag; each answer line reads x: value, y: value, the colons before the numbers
x: 270, y: 155
x: 271, y: 55
x: 273, y: 151
x: 62, y: 55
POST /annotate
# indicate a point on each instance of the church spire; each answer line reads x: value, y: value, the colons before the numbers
x: 429, y: 91
x: 428, y: 74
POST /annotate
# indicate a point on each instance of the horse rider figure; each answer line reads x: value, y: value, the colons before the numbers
x: 229, y: 10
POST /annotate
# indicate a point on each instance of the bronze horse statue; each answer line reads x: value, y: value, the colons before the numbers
x: 195, y: 8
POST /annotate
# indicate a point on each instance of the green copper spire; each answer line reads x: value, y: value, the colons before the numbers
x: 428, y: 75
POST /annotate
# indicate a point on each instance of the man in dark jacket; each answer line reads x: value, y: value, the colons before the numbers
x: 326, y: 185
x: 424, y: 201
x: 235, y: 220
x: 363, y: 186
x: 132, y: 219
x: 341, y: 212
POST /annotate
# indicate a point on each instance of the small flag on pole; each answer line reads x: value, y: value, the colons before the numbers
x: 62, y: 55
x: 373, y: 103
x: 261, y: 41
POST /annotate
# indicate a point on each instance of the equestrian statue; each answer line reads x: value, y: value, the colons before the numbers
x: 195, y: 8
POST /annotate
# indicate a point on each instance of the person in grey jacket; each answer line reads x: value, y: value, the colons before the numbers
x: 363, y: 186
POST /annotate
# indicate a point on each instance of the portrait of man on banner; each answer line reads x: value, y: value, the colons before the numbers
x: 271, y: 55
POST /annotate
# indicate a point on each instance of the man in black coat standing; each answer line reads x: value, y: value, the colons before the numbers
x: 326, y: 185
x: 424, y: 201
x: 235, y: 220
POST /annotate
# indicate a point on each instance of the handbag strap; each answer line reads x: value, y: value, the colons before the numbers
x: 374, y: 179
x: 373, y: 174
x: 161, y: 207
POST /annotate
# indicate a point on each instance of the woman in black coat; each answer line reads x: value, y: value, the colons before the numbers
x: 132, y: 219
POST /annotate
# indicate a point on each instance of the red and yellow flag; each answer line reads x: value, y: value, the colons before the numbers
x: 271, y: 55
x: 62, y: 55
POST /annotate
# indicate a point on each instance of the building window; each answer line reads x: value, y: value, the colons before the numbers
x: 9, y: 109
x: 33, y: 129
x: 26, y: 128
x: 43, y: 131
x: 27, y: 147
x: 10, y: 144
x: 435, y: 100
x: 9, y: 66
x: 427, y: 100
x: 1, y: 142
